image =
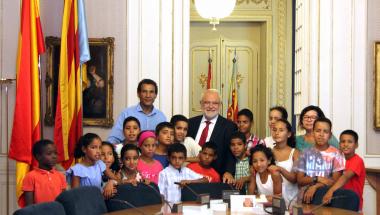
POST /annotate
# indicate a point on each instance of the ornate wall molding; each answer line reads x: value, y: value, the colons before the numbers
x: 277, y: 59
x: 254, y: 4
x: 281, y: 50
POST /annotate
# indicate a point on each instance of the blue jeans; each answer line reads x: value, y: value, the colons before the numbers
x: 345, y: 199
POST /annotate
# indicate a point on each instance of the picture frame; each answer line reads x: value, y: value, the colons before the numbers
x: 376, y: 115
x: 97, y: 95
x: 248, y: 203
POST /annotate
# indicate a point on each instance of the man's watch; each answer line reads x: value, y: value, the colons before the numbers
x: 315, y: 179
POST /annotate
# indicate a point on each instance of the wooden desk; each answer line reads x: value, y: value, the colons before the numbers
x: 153, y: 209
x: 373, y: 177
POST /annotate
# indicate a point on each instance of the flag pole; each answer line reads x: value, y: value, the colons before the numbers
x: 209, y: 70
x: 40, y: 93
x: 234, y: 60
x: 81, y: 96
x: 209, y: 56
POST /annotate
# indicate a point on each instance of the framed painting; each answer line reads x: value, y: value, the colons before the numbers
x: 97, y: 82
x: 377, y: 87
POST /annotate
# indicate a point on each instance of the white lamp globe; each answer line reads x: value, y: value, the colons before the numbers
x: 209, y: 9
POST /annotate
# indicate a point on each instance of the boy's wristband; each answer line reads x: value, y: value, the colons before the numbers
x: 315, y: 179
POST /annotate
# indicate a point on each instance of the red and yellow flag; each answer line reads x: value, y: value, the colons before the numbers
x: 233, y: 107
x: 26, y: 120
x: 68, y: 117
x: 209, y: 72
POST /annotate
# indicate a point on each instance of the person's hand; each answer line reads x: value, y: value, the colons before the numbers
x: 269, y: 198
x: 248, y: 153
x: 239, y: 184
x: 146, y: 181
x: 308, y: 196
x: 109, y: 190
x: 273, y: 169
x: 99, y: 83
x: 228, y: 178
x: 92, y: 70
x: 133, y: 181
x: 183, y: 183
x: 327, y: 197
x: 325, y: 181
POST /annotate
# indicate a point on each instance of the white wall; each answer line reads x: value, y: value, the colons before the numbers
x: 340, y: 72
x: 9, y: 22
x: 151, y: 41
x: 341, y: 59
x: 373, y: 137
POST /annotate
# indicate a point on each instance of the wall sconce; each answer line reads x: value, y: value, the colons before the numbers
x: 214, y: 9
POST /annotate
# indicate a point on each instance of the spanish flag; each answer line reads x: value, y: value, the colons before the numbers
x: 26, y: 120
x: 209, y: 72
x: 74, y: 51
x: 233, y: 107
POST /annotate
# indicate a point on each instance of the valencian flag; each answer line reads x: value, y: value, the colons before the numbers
x: 26, y: 121
x: 209, y: 77
x: 233, y: 107
x: 74, y: 52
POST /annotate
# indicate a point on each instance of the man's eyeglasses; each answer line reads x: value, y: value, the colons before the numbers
x: 208, y: 103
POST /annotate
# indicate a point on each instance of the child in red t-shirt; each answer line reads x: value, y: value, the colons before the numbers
x: 203, y: 167
x: 354, y: 174
x: 42, y: 184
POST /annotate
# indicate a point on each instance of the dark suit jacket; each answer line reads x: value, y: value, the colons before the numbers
x: 221, y: 136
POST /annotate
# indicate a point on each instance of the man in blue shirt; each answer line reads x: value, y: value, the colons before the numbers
x: 144, y: 111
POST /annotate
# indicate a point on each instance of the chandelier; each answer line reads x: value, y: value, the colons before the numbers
x: 214, y: 9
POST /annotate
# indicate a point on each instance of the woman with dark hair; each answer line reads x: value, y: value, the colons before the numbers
x: 275, y: 113
x: 306, y: 121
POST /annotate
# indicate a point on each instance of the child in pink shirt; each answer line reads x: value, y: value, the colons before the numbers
x: 146, y: 165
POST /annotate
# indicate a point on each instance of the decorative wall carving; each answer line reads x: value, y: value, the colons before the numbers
x: 245, y: 5
x: 239, y: 79
x: 203, y: 80
x: 281, y: 50
x: 254, y: 4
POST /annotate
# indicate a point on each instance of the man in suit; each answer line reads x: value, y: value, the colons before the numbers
x: 210, y: 126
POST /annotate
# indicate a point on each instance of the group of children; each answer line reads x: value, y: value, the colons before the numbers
x: 166, y: 156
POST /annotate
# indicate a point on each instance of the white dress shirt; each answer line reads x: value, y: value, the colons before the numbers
x: 269, y: 142
x: 167, y: 177
x: 203, y: 125
x: 192, y: 147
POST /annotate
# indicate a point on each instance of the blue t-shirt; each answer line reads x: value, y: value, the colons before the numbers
x: 89, y: 175
x: 163, y: 159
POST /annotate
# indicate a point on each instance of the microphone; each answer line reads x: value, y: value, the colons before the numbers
x: 163, y: 200
x: 129, y: 204
x: 203, y: 198
x: 278, y: 205
x: 292, y: 199
x: 226, y: 194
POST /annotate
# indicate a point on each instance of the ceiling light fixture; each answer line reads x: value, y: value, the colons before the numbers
x: 214, y: 10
